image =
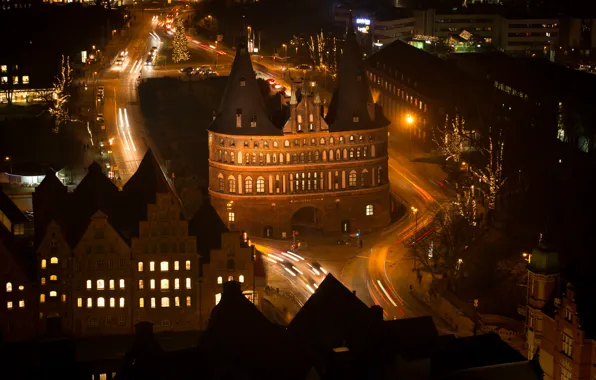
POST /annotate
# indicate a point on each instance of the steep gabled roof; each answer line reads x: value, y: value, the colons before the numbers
x: 148, y: 180
x: 330, y: 317
x: 207, y: 226
x: 51, y: 184
x: 242, y: 95
x: 95, y: 184
x: 236, y: 331
x: 12, y: 212
x: 348, y: 109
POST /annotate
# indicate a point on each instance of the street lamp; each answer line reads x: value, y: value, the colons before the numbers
x: 410, y: 121
x: 9, y: 160
x: 415, y: 211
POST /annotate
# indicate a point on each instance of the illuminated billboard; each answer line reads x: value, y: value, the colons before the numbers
x: 362, y: 21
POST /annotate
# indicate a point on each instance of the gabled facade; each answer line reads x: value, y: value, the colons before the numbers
x: 165, y: 268
x: 102, y: 282
x: 54, y: 256
x: 234, y: 261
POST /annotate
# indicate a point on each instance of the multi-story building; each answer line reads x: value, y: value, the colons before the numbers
x: 559, y: 326
x: 18, y: 291
x: 108, y: 258
x: 328, y: 173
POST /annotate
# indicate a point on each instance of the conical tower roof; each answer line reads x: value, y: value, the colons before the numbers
x: 348, y: 109
x: 242, y: 96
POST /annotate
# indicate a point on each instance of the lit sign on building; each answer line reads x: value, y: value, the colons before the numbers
x: 84, y: 56
x: 362, y: 21
x: 363, y: 29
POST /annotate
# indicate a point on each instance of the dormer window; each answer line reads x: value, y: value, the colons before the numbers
x: 266, y: 144
x: 242, y: 82
x: 239, y: 118
x: 256, y: 144
x: 355, y: 119
x: 246, y: 144
x: 253, y: 122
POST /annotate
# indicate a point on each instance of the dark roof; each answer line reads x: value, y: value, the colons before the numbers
x: 237, y: 330
x: 330, y: 317
x: 242, y: 93
x: 431, y: 76
x: 12, y: 212
x: 420, y: 333
x: 544, y: 260
x: 511, y: 371
x: 51, y: 184
x: 454, y: 354
x: 148, y: 180
x: 584, y: 289
x: 352, y: 95
x: 207, y: 226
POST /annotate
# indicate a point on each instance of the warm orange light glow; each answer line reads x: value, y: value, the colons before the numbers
x: 409, y: 119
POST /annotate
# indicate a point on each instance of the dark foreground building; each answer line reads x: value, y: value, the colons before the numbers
x: 334, y: 336
x: 327, y: 172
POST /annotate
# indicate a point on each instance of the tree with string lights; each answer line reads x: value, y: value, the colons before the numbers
x: 180, y: 50
x: 450, y: 139
x: 491, y: 176
x: 60, y: 95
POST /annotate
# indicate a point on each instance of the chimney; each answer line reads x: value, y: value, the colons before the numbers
x: 354, y: 292
x: 377, y: 313
x: 371, y: 110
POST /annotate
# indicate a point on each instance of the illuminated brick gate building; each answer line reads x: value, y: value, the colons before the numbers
x: 326, y: 172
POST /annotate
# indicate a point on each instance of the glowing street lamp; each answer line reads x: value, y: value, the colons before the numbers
x: 9, y: 160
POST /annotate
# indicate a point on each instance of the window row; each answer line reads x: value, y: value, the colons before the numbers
x: 101, y: 284
x: 230, y: 278
x: 10, y: 306
x: 164, y: 266
x: 15, y: 80
x: 300, y: 182
x: 330, y: 155
x: 164, y: 284
x: 53, y: 294
x: 298, y: 142
x: 164, y: 302
x: 53, y: 260
x: 9, y: 287
x: 101, y: 302
x: 396, y: 91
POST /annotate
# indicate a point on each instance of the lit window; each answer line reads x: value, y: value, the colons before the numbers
x: 165, y: 284
x: 112, y: 284
x: 140, y: 266
x: 54, y: 260
x: 53, y: 278
x: 3, y: 80
x: 153, y: 303
x: 101, y: 302
x: 188, y: 301
x: 22, y: 304
x: 89, y: 302
x: 121, y: 283
x: 42, y: 298
x: 176, y: 283
x: 15, y: 80
x: 165, y: 302
x: 177, y: 301
x: 63, y: 298
x: 176, y: 265
x: 140, y: 284
x: 164, y: 266
x: 152, y: 284
x: 53, y: 293
x: 188, y: 283
x: 121, y: 301
x: 43, y: 280
x: 370, y: 210
x: 9, y: 305
x: 152, y: 266
x: 260, y: 185
x: 8, y: 287
x: 231, y: 217
x: 43, y: 264
x: 217, y: 298
x: 25, y: 79
x: 141, y: 302
x: 3, y: 68
x: 112, y: 302
x: 79, y: 302
x: 89, y: 284
x: 100, y: 284
x: 241, y: 278
x: 187, y: 264
x: 219, y: 280
x: 353, y: 178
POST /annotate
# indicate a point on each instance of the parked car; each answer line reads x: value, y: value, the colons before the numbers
x: 99, y: 118
x: 188, y: 70
x: 204, y: 69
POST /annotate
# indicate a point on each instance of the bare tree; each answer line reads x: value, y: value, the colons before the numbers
x: 466, y: 206
x: 450, y: 139
x: 316, y: 47
x: 61, y: 96
x: 491, y: 176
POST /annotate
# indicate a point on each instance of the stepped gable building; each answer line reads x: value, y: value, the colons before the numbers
x: 327, y: 172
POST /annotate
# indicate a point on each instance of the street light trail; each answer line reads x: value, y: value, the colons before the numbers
x: 128, y: 131
x: 386, y: 294
x: 120, y: 131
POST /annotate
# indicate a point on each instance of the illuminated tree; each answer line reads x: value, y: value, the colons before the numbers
x: 180, y: 50
x: 450, y: 139
x: 465, y: 205
x: 60, y: 95
x: 322, y: 52
x: 491, y: 176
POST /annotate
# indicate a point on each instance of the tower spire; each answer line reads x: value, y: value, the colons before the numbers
x: 350, y: 24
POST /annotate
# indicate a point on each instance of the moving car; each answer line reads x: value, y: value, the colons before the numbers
x: 99, y: 118
x: 119, y: 61
x: 271, y: 81
x: 188, y: 70
x: 100, y: 90
x: 210, y: 73
x: 304, y: 67
x: 317, y: 269
x: 204, y: 69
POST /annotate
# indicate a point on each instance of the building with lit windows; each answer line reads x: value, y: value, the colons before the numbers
x: 18, y: 291
x: 559, y: 320
x: 328, y: 173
